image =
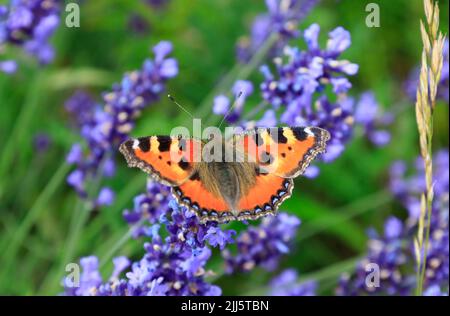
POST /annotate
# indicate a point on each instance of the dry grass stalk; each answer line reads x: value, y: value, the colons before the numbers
x: 430, y: 74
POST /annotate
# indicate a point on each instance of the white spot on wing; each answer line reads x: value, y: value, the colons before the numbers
x: 135, y: 144
x: 308, y: 131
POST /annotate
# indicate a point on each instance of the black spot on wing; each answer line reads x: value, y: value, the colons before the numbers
x: 164, y: 143
x: 183, y: 164
x: 182, y: 144
x: 299, y: 133
x: 144, y: 143
x: 277, y: 134
x: 257, y: 138
x: 266, y: 158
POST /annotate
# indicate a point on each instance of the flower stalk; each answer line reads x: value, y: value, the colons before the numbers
x: 430, y: 73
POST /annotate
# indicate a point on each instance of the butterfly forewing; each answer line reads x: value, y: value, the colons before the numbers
x: 170, y: 160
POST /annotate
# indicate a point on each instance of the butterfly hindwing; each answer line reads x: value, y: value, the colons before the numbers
x: 283, y: 151
x: 265, y: 196
x: 208, y: 206
x: 169, y: 160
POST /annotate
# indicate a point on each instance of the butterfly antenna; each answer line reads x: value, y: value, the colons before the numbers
x: 231, y: 109
x: 171, y: 98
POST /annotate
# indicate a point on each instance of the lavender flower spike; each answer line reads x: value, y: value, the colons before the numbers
x: 286, y: 284
x: 174, y: 260
x: 104, y: 127
x: 394, y: 252
x: 282, y: 18
x: 29, y: 25
x: 263, y: 245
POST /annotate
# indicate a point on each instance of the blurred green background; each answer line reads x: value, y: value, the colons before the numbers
x: 336, y: 209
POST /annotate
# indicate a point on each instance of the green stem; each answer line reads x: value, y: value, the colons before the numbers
x: 328, y: 273
x: 9, y: 254
x: 119, y: 243
x: 238, y: 71
x: 348, y: 212
x: 79, y: 218
x: 261, y: 106
x: 20, y: 126
x: 133, y: 187
x: 331, y: 271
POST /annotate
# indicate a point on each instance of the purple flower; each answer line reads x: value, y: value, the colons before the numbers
x: 42, y: 142
x: 217, y: 237
x: 90, y: 278
x: 105, y: 197
x: 109, y: 168
x: 75, y: 154
x: 298, y: 85
x: 312, y: 172
x: 368, y: 115
x: 30, y: 25
x: 311, y: 36
x: 282, y: 18
x: 173, y: 263
x: 409, y: 189
x: 242, y: 86
x: 269, y: 119
x: 138, y: 24
x: 76, y: 180
x: 394, y: 251
x: 393, y: 228
x: 434, y: 290
x: 82, y: 107
x: 8, y: 66
x: 156, y: 4
x: 306, y: 72
x: 91, y: 281
x: 389, y: 255
x: 120, y: 264
x: 286, y: 284
x: 240, y: 90
x: 338, y: 41
x: 340, y: 85
x: 149, y: 206
x: 262, y: 245
x: 105, y: 127
x: 221, y: 105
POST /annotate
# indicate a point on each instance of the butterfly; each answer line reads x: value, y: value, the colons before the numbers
x: 252, y: 184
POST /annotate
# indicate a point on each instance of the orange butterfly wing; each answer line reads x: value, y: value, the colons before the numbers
x: 169, y: 160
x: 262, y: 199
x: 265, y: 196
x: 283, y: 151
x: 196, y: 197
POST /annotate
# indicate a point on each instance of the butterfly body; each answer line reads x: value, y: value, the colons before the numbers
x: 229, y: 181
x: 245, y: 177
